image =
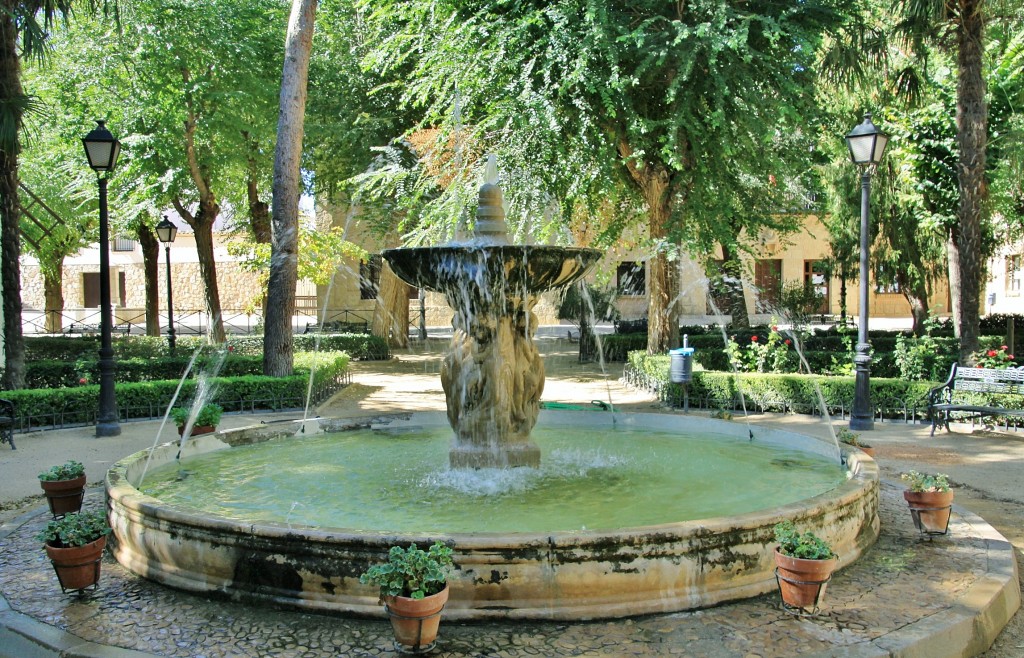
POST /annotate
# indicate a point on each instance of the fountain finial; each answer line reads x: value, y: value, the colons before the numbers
x: 490, y: 224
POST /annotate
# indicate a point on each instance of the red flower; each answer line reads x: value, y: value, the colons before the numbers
x: 1010, y: 355
x: 753, y: 339
x: 83, y: 380
x: 231, y: 348
x: 991, y: 353
x: 789, y: 342
x: 1002, y: 347
x: 775, y: 327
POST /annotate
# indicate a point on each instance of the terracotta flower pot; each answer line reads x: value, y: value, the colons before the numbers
x: 415, y: 621
x: 77, y: 567
x: 930, y: 510
x: 64, y: 496
x: 802, y: 582
x: 198, y: 429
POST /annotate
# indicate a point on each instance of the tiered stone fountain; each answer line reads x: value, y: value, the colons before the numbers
x: 493, y: 379
x: 493, y: 375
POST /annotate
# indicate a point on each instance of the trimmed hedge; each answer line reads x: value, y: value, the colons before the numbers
x: 62, y: 406
x: 778, y: 392
x: 74, y: 348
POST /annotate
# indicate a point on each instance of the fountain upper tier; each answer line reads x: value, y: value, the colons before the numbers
x: 502, y: 270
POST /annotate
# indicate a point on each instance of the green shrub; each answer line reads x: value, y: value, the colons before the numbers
x: 150, y: 399
x: 806, y: 546
x: 75, y: 529
x: 69, y: 470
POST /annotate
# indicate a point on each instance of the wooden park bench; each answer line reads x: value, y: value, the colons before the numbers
x: 973, y: 393
x: 7, y: 423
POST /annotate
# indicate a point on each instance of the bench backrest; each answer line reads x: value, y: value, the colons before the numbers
x: 990, y: 380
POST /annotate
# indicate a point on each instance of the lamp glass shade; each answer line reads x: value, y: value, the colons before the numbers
x: 166, y: 231
x: 866, y: 142
x: 101, y: 148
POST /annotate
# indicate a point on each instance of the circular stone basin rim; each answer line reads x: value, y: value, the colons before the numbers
x: 587, y: 574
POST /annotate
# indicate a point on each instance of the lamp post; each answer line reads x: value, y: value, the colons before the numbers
x: 423, y: 314
x: 101, y: 150
x: 866, y: 144
x: 166, y: 231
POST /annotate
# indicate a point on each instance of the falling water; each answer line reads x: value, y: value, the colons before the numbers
x: 167, y: 412
x: 205, y: 388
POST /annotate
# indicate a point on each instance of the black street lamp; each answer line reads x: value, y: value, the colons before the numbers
x: 166, y: 231
x: 866, y: 144
x: 102, y: 149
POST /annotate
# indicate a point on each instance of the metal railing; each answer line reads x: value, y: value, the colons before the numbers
x: 194, y: 322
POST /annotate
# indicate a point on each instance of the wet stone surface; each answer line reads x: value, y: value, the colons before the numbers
x: 897, y: 582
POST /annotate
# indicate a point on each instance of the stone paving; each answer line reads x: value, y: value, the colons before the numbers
x: 905, y: 596
x: 868, y: 609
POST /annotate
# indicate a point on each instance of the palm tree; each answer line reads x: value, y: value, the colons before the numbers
x: 24, y: 28
x: 963, y: 21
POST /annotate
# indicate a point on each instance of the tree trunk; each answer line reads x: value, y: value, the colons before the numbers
x: 842, y: 301
x: 733, y: 270
x: 277, y: 338
x: 953, y: 266
x: 972, y: 127
x: 655, y: 184
x: 11, y: 95
x: 391, y: 312
x: 53, y: 296
x: 150, y: 268
x: 918, y: 300
x: 203, y: 231
x: 259, y: 211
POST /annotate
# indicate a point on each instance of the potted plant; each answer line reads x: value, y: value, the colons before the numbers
x: 74, y: 543
x: 853, y: 439
x: 64, y: 487
x: 804, y: 565
x: 206, y: 420
x: 413, y: 589
x: 930, y: 500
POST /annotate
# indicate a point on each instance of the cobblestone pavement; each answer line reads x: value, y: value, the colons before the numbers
x: 898, y: 582
x: 903, y: 590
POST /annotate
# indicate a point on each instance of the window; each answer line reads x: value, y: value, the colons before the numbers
x: 885, y: 282
x: 369, y: 277
x: 124, y: 244
x: 719, y: 285
x: 631, y: 278
x: 91, y: 290
x: 768, y: 281
x: 816, y: 279
x: 1014, y: 274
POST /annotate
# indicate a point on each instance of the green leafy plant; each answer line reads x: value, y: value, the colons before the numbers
x: 69, y: 470
x: 75, y: 529
x: 850, y: 438
x: 926, y: 482
x: 208, y: 416
x: 412, y: 572
x: 806, y: 546
x: 994, y: 358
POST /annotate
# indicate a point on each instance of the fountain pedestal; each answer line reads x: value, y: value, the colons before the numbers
x: 493, y: 378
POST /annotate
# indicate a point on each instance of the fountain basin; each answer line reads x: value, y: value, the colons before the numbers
x: 549, y: 575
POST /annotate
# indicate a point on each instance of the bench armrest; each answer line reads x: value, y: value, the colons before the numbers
x: 944, y: 392
x: 6, y: 408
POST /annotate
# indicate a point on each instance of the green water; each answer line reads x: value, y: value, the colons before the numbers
x: 596, y: 479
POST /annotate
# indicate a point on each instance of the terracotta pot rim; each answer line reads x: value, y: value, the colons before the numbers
x: 73, y: 483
